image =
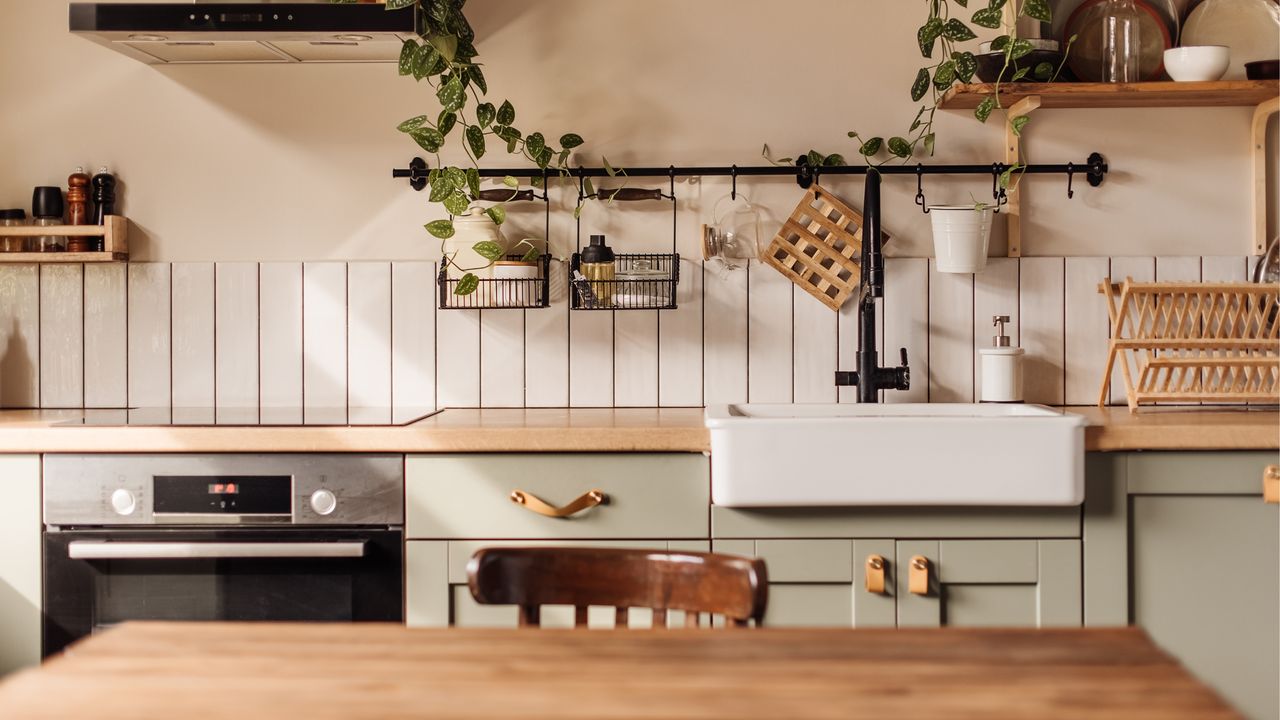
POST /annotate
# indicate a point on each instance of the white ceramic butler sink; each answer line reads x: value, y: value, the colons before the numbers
x: 913, y: 454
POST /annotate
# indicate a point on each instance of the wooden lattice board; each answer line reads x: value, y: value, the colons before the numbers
x: 819, y: 247
x: 1194, y: 342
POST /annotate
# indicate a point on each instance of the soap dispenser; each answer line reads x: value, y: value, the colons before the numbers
x: 1001, y: 367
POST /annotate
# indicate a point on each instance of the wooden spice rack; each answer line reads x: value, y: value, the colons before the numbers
x: 114, y: 233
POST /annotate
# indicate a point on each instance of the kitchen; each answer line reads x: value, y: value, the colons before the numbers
x: 265, y: 393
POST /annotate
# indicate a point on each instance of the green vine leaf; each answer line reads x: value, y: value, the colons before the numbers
x: 983, y: 111
x: 451, y: 94
x: 426, y: 61
x: 511, y: 182
x: 407, y: 51
x: 1019, y: 74
x: 473, y: 181
x: 957, y: 31
x: 1043, y: 72
x: 570, y: 141
x: 457, y: 203
x: 488, y: 249
x: 477, y: 79
x: 485, y: 114
x: 962, y: 3
x: 475, y: 139
x: 966, y: 65
x: 532, y: 255
x: 814, y: 158
x: 399, y: 4
x: 920, y: 86
x: 1018, y: 123
x: 996, y: 4
x: 446, y: 121
x: 833, y: 160
x: 446, y: 45
x: 944, y: 75
x: 871, y: 147
x: 928, y: 34
x: 456, y: 177
x: 543, y: 157
x: 987, y: 17
x: 1038, y: 10
x: 929, y: 142
x: 428, y: 139
x: 412, y: 124
x: 506, y: 113
x: 442, y: 229
x: 1000, y: 42
x: 440, y: 189
x: 900, y: 147
x: 535, y: 143
x: 467, y: 285
x: 1018, y: 48
x: 497, y: 214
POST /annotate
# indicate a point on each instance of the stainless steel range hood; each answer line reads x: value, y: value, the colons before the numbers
x: 210, y: 32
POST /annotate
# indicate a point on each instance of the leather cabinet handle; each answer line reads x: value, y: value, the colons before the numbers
x: 919, y: 575
x: 874, y: 574
x: 1271, y: 485
x: 532, y: 502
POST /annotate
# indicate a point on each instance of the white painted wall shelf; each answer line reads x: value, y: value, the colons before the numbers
x: 114, y: 233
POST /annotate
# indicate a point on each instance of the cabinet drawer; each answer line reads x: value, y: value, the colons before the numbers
x: 469, y: 496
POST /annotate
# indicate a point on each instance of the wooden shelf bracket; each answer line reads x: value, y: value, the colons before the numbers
x: 1012, y: 156
x: 1261, y: 116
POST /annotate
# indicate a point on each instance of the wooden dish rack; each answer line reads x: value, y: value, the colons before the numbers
x: 114, y: 233
x: 1194, y: 342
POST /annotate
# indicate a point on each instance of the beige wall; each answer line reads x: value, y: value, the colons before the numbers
x: 273, y: 162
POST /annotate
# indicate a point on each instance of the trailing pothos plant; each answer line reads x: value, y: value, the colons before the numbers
x: 445, y: 57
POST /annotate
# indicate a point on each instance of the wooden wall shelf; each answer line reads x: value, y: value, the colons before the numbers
x: 114, y: 233
x: 1221, y: 93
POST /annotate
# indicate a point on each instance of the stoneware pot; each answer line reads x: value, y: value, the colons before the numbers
x: 468, y: 229
x: 961, y: 235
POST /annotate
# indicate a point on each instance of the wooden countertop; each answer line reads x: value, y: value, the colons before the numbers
x: 206, y: 671
x: 581, y: 430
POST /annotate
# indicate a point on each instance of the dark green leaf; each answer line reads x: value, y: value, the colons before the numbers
x: 446, y: 45
x: 588, y: 187
x: 441, y: 189
x: 488, y: 249
x: 957, y: 31
x: 537, y: 181
x: 534, y: 144
x: 497, y: 214
x: 407, y: 52
x: 477, y: 77
x: 607, y: 167
x: 446, y: 122
x: 510, y: 182
x: 814, y: 158
x: 568, y: 141
x: 543, y: 156
x: 451, y: 95
x: 457, y: 203
x: 834, y: 160
x: 466, y: 285
x: 1019, y: 74
x: 1019, y: 48
x: 475, y: 140
x: 872, y: 146
x: 1038, y: 10
x: 962, y: 3
x: 928, y: 34
x: 1043, y: 72
x: 920, y: 86
x: 900, y: 147
x: 456, y: 177
x: 996, y: 4
x: 426, y: 61
x: 928, y: 143
x: 509, y: 134
x: 412, y: 124
x: 485, y: 114
x: 506, y: 113
x: 944, y: 75
x: 532, y: 255
x: 983, y: 111
x: 987, y: 18
x: 473, y: 181
x: 1018, y: 123
x: 442, y: 229
x: 399, y: 4
x: 1000, y: 42
x: 428, y: 139
x: 564, y: 157
x: 966, y: 65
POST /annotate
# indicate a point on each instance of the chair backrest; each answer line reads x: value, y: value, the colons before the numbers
x: 728, y: 585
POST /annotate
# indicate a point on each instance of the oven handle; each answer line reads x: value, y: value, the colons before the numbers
x: 98, y: 550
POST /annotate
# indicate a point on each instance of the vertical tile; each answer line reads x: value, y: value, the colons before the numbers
x: 1088, y: 328
x: 280, y: 342
x: 1230, y: 268
x: 502, y: 371
x: 680, y: 342
x: 1141, y: 269
x: 1177, y: 269
x: 814, y: 348
x: 235, y: 328
x: 20, y: 336
x: 193, y: 353
x: 769, y: 336
x: 635, y: 358
x: 847, y: 345
x: 413, y: 339
x: 1043, y: 328
x: 458, y: 358
x: 546, y: 346
x: 906, y: 323
x: 324, y: 343
x: 369, y: 342
x: 995, y: 292
x: 725, y: 357
x: 950, y: 336
x: 591, y: 358
x: 149, y: 324
x: 62, y: 336
x: 106, y: 331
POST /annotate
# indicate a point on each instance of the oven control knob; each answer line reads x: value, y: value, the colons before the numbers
x: 323, y: 502
x: 123, y: 502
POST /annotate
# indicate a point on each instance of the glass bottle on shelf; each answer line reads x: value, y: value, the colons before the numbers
x: 1121, y: 42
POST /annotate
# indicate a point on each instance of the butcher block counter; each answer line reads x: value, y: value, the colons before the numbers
x: 249, y: 671
x: 577, y: 430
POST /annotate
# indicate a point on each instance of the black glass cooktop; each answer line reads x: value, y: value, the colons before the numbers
x: 248, y: 417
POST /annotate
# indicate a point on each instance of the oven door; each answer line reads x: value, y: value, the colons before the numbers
x: 94, y: 579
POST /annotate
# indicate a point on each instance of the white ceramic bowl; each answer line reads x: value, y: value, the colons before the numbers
x: 1197, y: 63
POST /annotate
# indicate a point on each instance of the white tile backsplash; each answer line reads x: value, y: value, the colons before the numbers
x: 357, y: 338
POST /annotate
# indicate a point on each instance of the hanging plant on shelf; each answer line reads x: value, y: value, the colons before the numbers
x: 445, y: 57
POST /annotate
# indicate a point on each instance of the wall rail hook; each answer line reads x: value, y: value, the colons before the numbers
x: 804, y: 173
x: 920, y: 189
x: 1097, y: 169
x: 733, y: 189
x: 1071, y: 176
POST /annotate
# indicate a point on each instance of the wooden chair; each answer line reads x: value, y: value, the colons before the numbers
x: 728, y: 585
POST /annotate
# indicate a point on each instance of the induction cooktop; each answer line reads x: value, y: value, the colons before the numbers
x: 249, y: 417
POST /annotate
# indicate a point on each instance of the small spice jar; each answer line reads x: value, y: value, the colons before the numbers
x: 516, y: 283
x: 46, y: 210
x: 12, y: 218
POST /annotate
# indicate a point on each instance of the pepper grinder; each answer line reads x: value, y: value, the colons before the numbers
x: 1001, y: 367
x: 104, y: 201
x: 78, y: 209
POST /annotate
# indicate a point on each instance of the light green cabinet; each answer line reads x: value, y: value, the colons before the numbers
x: 1001, y: 583
x: 1182, y: 545
x: 19, y: 562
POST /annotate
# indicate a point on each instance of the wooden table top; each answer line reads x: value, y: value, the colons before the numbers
x: 248, y: 671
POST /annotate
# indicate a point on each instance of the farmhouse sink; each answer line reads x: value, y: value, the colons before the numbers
x: 912, y: 454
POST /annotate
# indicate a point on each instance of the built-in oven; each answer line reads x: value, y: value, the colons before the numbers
x: 220, y: 537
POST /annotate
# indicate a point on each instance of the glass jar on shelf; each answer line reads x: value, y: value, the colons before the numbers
x: 1121, y: 42
x: 13, y: 243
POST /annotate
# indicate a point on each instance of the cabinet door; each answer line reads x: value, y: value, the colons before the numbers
x: 20, y: 562
x: 821, y: 583
x: 436, y: 592
x: 1205, y: 569
x: 990, y: 583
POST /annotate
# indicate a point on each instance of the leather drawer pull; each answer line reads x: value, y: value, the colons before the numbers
x: 875, y: 574
x: 919, y: 575
x: 1271, y: 485
x: 529, y: 501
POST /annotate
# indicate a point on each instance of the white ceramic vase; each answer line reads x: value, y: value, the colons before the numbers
x: 961, y: 234
x: 468, y: 229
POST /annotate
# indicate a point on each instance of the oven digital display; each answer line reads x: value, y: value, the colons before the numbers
x: 223, y: 494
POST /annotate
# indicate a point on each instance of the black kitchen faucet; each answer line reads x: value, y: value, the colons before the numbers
x: 870, y: 378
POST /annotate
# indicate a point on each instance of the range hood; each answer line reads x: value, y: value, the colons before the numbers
x: 211, y: 32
